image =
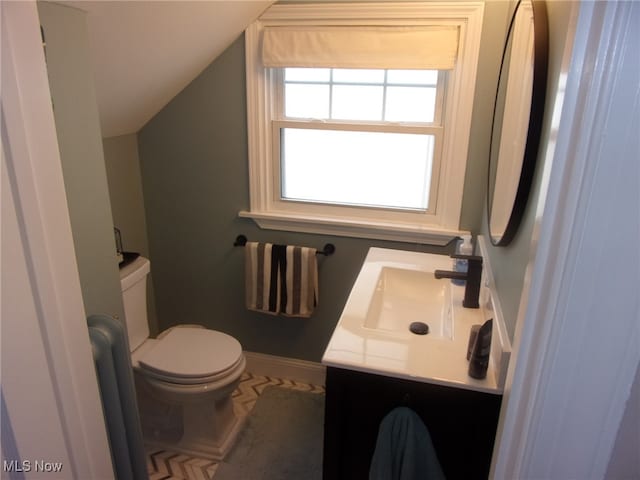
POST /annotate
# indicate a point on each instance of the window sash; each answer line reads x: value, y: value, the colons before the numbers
x: 348, y: 209
x: 278, y: 85
x: 279, y: 98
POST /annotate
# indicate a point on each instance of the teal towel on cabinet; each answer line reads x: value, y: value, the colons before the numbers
x: 404, y: 450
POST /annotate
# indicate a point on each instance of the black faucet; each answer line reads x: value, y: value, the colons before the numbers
x: 472, y: 276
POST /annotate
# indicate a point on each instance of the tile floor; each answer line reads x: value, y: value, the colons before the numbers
x: 168, y: 465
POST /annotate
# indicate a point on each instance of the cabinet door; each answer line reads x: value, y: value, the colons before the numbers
x: 462, y: 423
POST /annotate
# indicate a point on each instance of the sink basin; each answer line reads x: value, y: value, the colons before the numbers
x: 403, y: 296
x: 396, y: 288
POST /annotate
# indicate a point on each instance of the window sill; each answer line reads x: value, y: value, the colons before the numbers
x: 399, y: 232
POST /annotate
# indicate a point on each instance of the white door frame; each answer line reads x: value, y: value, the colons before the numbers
x: 51, y: 407
x: 577, y: 344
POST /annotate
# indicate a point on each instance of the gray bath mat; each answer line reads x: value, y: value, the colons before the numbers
x: 282, y: 439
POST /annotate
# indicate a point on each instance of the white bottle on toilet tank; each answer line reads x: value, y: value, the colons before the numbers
x: 460, y: 265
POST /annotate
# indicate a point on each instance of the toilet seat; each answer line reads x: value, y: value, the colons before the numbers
x: 190, y: 356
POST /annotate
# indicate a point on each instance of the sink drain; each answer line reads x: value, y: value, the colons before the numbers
x: 419, y: 328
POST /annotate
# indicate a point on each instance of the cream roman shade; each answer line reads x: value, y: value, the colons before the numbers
x: 426, y: 47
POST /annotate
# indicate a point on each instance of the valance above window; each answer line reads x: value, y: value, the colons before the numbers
x: 425, y: 47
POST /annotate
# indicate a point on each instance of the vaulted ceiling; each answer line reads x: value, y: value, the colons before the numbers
x: 144, y: 52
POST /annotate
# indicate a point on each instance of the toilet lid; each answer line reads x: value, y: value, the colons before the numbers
x: 192, y: 353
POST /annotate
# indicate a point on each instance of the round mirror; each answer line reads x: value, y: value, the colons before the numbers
x: 517, y: 119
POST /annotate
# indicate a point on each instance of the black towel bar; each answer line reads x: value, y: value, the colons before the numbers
x: 328, y: 249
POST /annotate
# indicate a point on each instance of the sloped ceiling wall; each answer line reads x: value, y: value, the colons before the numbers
x: 145, y: 52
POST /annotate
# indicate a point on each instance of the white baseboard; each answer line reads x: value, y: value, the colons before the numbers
x: 288, y: 368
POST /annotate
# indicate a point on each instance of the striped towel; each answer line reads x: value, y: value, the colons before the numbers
x: 281, y: 279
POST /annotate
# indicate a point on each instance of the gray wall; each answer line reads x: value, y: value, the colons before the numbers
x: 496, y: 15
x: 125, y: 189
x: 85, y: 179
x: 509, y: 263
x: 193, y: 158
x: 127, y: 201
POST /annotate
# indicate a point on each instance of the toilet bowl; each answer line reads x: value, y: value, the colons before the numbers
x: 184, y: 377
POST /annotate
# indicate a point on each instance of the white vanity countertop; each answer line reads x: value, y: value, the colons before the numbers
x: 403, y: 354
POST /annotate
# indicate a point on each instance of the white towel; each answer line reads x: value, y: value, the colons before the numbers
x: 281, y: 279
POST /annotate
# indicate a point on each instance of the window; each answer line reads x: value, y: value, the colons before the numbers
x: 364, y: 137
x: 375, y: 150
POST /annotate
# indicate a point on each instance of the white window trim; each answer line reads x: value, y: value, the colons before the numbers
x: 436, y: 228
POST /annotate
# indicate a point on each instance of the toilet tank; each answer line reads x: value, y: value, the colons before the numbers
x: 133, y: 279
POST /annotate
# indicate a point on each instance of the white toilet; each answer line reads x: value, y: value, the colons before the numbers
x: 184, y: 378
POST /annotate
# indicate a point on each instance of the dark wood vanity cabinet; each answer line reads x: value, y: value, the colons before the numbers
x: 462, y: 423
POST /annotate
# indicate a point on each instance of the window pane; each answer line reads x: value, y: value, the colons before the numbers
x: 410, y: 104
x: 356, y: 102
x: 361, y: 94
x: 358, y: 75
x: 413, y: 77
x: 357, y: 168
x: 307, y: 74
x: 306, y: 101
